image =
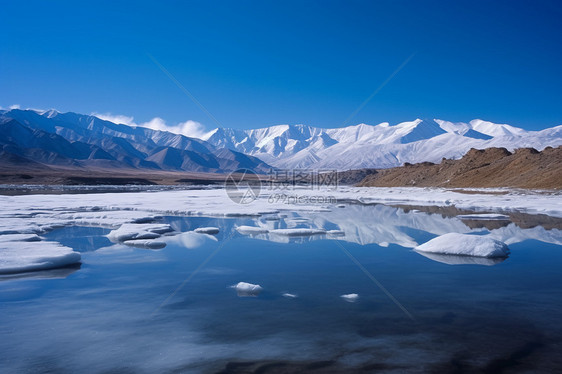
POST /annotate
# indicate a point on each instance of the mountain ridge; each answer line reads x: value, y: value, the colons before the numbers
x: 84, y: 141
x: 88, y: 141
x: 377, y: 146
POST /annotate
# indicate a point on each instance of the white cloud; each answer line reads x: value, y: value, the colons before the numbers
x: 156, y: 123
x: 116, y: 118
x: 192, y: 129
x: 189, y: 128
x: 15, y: 106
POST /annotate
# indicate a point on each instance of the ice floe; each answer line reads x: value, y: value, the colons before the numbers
x: 21, y: 256
x: 143, y: 243
x: 335, y: 232
x: 483, y: 216
x: 244, y: 289
x: 350, y: 297
x: 207, y: 230
x: 463, y: 260
x: 19, y: 238
x: 298, y: 232
x: 135, y: 231
x: 191, y: 239
x: 465, y: 245
x: 249, y: 230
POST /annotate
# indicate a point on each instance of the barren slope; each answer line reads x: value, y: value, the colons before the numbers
x: 491, y: 167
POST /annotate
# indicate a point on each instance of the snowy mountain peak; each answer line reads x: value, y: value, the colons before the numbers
x: 380, y: 146
x: 495, y: 129
x: 50, y: 113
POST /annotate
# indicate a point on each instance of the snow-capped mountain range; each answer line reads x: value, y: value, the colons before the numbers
x: 380, y: 146
x: 77, y: 140
x: 71, y: 140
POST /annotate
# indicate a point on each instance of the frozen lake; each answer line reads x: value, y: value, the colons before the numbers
x: 126, y: 309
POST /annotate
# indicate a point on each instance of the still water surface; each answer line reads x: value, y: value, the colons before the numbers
x: 172, y: 310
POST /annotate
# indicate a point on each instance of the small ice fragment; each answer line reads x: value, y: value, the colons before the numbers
x: 350, y: 297
x: 340, y: 206
x: 248, y: 230
x: 335, y: 232
x: 465, y: 245
x: 144, y: 219
x: 149, y: 244
x: 484, y: 216
x: 244, y: 289
x: 272, y: 218
x: 131, y: 231
x: 297, y: 232
x: 289, y: 295
x: 207, y: 230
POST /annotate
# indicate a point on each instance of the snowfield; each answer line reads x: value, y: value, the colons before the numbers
x: 366, y: 219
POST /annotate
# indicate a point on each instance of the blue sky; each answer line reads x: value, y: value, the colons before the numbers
x: 253, y: 64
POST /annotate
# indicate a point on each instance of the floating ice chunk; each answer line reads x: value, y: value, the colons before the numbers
x: 148, y: 219
x: 463, y: 260
x: 465, y: 245
x: 23, y: 256
x: 207, y: 230
x: 131, y: 231
x: 58, y: 273
x: 335, y: 232
x: 192, y: 239
x: 289, y: 295
x: 298, y: 232
x: 143, y: 243
x: 10, y: 226
x: 19, y: 238
x: 484, y: 216
x: 244, y: 289
x: 249, y: 230
x: 272, y: 218
x: 298, y: 220
x: 350, y: 297
x: 160, y: 228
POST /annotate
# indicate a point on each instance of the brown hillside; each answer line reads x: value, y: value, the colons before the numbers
x: 491, y: 167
